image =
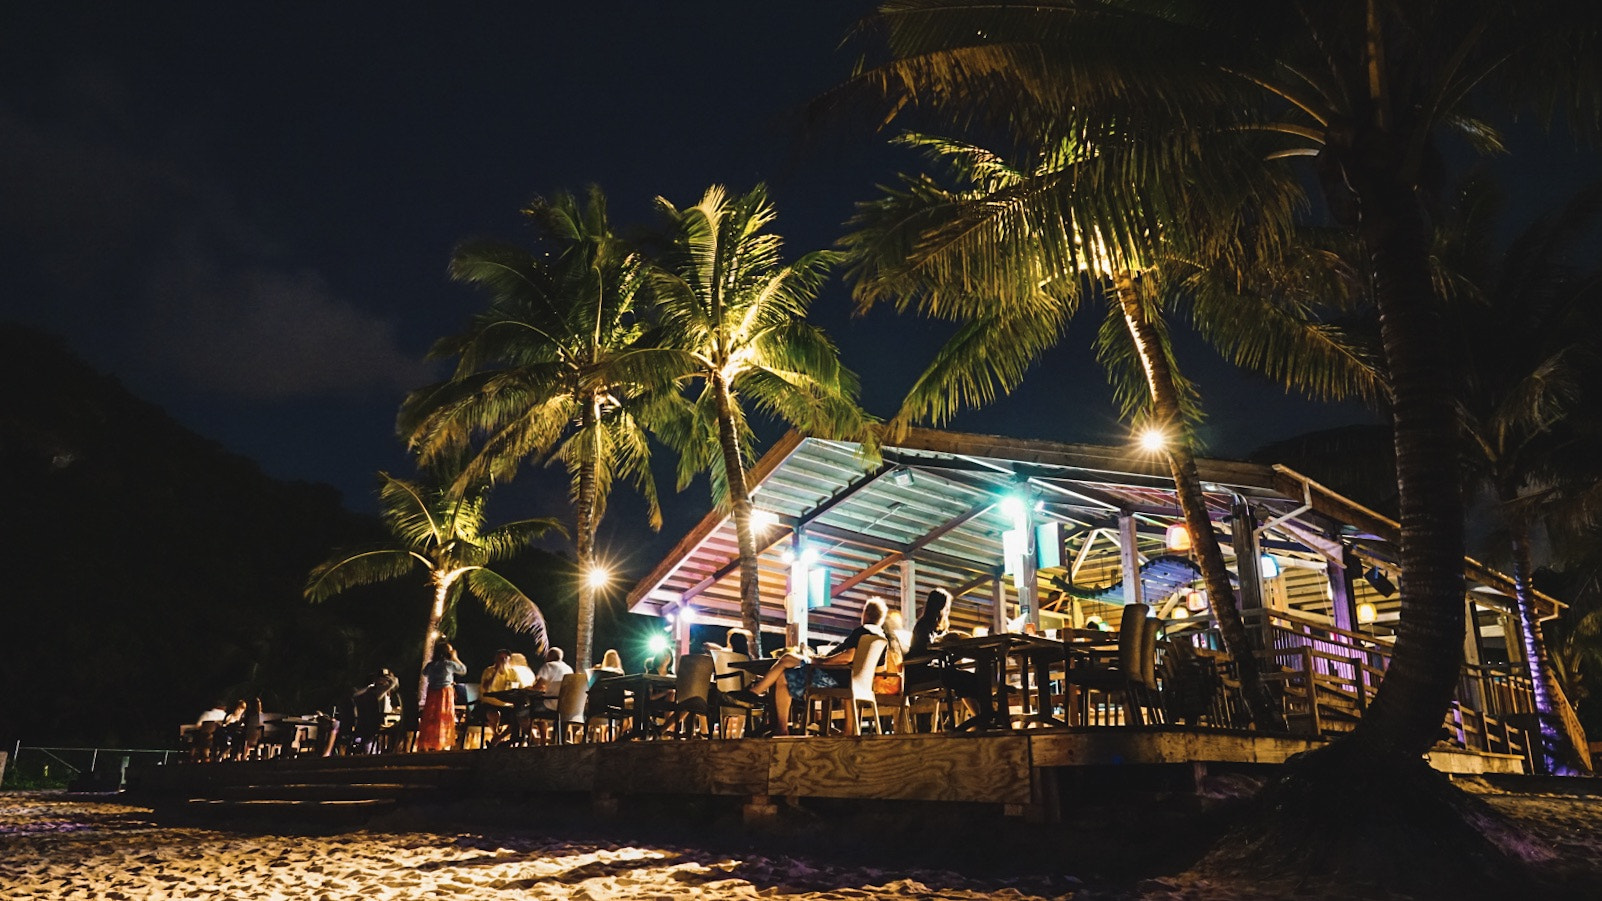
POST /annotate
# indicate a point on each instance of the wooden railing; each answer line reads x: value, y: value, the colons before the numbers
x: 1326, y: 678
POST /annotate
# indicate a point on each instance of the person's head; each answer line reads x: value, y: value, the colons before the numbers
x: 443, y: 650
x: 553, y: 655
x: 873, y: 612
x: 503, y: 657
x: 739, y: 641
x: 936, y: 616
x: 612, y: 659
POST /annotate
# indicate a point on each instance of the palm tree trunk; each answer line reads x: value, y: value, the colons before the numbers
x: 583, y: 646
x: 1187, y: 487
x: 1555, y: 749
x: 740, y: 508
x: 1406, y: 715
x: 436, y: 615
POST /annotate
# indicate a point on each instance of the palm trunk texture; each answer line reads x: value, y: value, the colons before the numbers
x: 1265, y: 712
x: 436, y: 615
x: 740, y: 508
x: 583, y: 650
x: 1558, y: 754
x: 1405, y: 718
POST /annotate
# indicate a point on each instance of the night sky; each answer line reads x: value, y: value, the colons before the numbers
x: 244, y: 211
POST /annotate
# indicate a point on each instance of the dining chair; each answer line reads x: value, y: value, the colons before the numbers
x: 1121, y: 673
x: 857, y: 692
x: 727, y: 678
x: 570, y: 700
x: 692, y: 692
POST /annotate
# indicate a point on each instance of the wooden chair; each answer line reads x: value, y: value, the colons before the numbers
x: 1124, y: 673
x: 857, y: 692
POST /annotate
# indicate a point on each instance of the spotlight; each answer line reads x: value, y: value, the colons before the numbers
x: 1153, y: 439
x: 597, y: 577
x: 1376, y: 577
x: 902, y: 478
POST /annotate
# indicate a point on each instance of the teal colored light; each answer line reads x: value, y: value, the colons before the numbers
x: 657, y: 644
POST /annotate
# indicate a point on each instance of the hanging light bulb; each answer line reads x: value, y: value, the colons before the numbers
x: 1367, y: 613
x: 1195, y: 601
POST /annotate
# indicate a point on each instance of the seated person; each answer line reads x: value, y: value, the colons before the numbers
x: 930, y: 629
x: 498, y: 676
x: 793, y: 673
x: 549, y: 680
x: 736, y: 641
x: 611, y: 665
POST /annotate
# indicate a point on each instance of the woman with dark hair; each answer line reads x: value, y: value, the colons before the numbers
x: 437, y: 729
x: 927, y: 632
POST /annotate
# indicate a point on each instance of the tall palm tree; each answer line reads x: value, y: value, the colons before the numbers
x: 1012, y: 252
x: 1524, y: 332
x: 1366, y: 92
x: 736, y: 315
x: 439, y: 529
x: 559, y: 367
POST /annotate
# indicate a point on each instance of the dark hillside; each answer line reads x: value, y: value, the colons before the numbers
x: 152, y: 572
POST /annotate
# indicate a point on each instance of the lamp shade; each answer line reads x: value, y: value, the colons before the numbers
x: 1366, y: 613
x: 1178, y: 537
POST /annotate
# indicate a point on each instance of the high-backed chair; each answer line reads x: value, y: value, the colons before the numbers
x: 726, y: 679
x: 570, y: 700
x: 471, y: 712
x: 859, y: 691
x: 1122, y: 674
x: 692, y: 691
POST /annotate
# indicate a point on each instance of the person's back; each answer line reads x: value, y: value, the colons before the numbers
x: 550, y: 675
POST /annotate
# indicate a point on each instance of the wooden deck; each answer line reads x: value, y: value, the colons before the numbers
x: 1018, y: 771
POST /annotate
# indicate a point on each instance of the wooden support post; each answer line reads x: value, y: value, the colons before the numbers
x: 1129, y: 559
x: 758, y: 810
x: 1343, y: 596
x: 909, y: 592
x: 998, y: 603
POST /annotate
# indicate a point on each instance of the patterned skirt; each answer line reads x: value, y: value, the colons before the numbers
x: 437, y: 731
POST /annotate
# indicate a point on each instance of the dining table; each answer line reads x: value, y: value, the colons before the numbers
x: 641, y: 687
x: 996, y: 658
x: 522, y: 701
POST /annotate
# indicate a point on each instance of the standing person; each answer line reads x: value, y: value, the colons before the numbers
x: 437, y: 729
x: 929, y: 630
x: 371, y: 706
x: 798, y: 671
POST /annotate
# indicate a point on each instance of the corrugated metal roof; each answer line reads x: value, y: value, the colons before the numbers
x: 934, y: 498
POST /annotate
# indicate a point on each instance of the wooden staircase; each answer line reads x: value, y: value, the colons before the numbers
x: 339, y: 789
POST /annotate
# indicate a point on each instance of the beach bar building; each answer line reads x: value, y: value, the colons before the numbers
x: 1050, y: 549
x: 1054, y: 537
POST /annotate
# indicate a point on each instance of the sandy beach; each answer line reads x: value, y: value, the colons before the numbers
x: 64, y: 847
x: 59, y: 847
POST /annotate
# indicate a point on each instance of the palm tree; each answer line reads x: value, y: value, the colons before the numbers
x: 1366, y: 91
x: 439, y: 529
x: 736, y: 315
x: 1012, y: 252
x: 1524, y: 333
x: 559, y: 367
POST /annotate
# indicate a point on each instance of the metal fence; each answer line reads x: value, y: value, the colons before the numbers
x: 92, y: 769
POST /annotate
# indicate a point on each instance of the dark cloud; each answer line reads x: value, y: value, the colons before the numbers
x: 126, y: 223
